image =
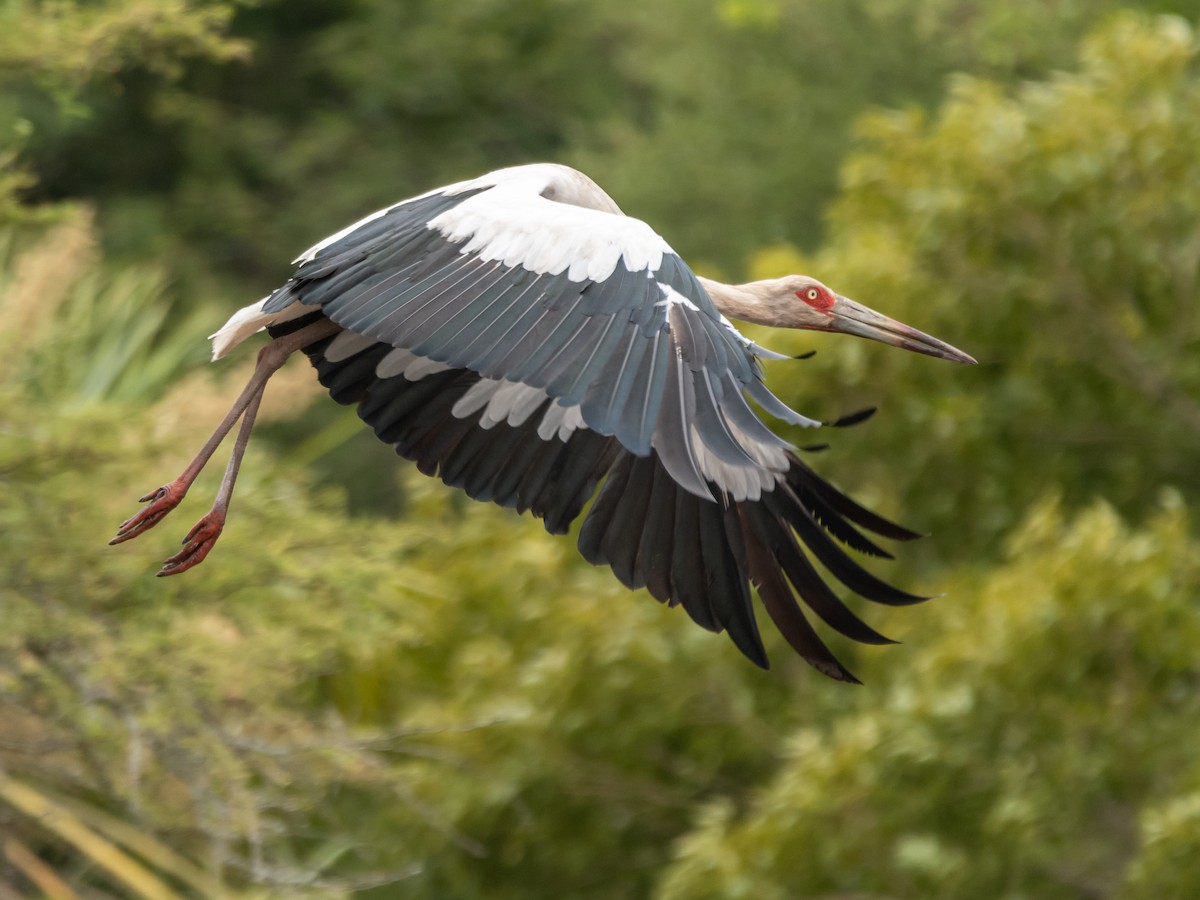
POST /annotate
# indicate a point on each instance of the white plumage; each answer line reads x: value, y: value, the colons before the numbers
x: 515, y: 225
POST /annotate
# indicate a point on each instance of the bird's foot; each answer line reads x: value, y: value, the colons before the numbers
x: 196, y: 545
x: 162, y: 500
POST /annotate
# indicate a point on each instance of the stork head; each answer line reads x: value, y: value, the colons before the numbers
x: 804, y: 302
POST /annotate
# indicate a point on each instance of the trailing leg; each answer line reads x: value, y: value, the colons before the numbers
x: 164, y: 499
x: 204, y: 534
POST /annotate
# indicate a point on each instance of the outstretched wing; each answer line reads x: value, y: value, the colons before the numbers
x: 523, y: 349
x: 590, y: 309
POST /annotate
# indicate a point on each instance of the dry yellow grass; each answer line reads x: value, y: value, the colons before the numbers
x: 43, y: 276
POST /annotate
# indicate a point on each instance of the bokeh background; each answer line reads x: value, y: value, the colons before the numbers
x: 376, y: 688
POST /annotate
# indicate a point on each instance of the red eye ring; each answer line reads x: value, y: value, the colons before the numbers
x: 816, y: 297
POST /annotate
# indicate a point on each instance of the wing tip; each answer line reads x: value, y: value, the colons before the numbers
x: 837, y: 672
x: 853, y: 418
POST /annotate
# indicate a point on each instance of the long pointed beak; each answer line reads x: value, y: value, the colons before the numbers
x: 854, y: 318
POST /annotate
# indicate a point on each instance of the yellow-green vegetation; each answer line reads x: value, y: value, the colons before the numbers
x: 1053, y: 228
x: 374, y: 687
x: 1049, y: 757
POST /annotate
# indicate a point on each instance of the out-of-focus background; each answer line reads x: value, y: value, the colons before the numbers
x: 376, y: 688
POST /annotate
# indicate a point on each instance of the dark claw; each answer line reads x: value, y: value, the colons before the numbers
x: 162, y: 500
x: 196, y: 545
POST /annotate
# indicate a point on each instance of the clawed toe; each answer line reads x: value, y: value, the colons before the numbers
x: 196, y: 545
x: 200, y: 539
x: 161, y: 501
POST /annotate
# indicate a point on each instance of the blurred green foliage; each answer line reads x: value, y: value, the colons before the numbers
x: 757, y: 100
x: 56, y: 56
x: 1034, y: 761
x: 332, y: 666
x: 1054, y: 230
x: 414, y: 695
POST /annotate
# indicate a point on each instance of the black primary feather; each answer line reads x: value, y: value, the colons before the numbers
x: 702, y: 554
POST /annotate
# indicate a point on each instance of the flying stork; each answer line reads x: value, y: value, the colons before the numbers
x: 521, y: 338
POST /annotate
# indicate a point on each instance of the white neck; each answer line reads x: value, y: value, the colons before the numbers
x: 757, y: 301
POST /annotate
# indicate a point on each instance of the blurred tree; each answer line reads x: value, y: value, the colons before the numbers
x: 754, y: 101
x: 345, y: 106
x: 1052, y: 758
x: 449, y: 699
x: 240, y: 163
x: 445, y: 702
x: 1053, y: 232
x: 53, y: 54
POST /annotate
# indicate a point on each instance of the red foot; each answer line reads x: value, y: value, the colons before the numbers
x: 196, y: 545
x: 162, y: 501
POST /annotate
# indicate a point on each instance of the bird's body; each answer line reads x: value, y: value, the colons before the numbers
x: 519, y: 337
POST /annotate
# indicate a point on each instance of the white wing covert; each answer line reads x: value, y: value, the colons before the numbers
x: 592, y: 309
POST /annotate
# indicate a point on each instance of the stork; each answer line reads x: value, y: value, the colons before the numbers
x: 521, y: 338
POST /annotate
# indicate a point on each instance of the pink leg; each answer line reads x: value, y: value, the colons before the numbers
x: 204, y: 533
x: 164, y: 499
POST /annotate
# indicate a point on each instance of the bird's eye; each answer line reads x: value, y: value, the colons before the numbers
x: 816, y: 297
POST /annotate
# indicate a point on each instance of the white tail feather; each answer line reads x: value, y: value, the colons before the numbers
x: 249, y: 320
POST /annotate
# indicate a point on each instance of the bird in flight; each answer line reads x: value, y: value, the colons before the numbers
x: 522, y: 339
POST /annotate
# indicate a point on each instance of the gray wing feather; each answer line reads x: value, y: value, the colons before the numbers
x: 712, y: 424
x: 644, y: 354
x: 673, y: 442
